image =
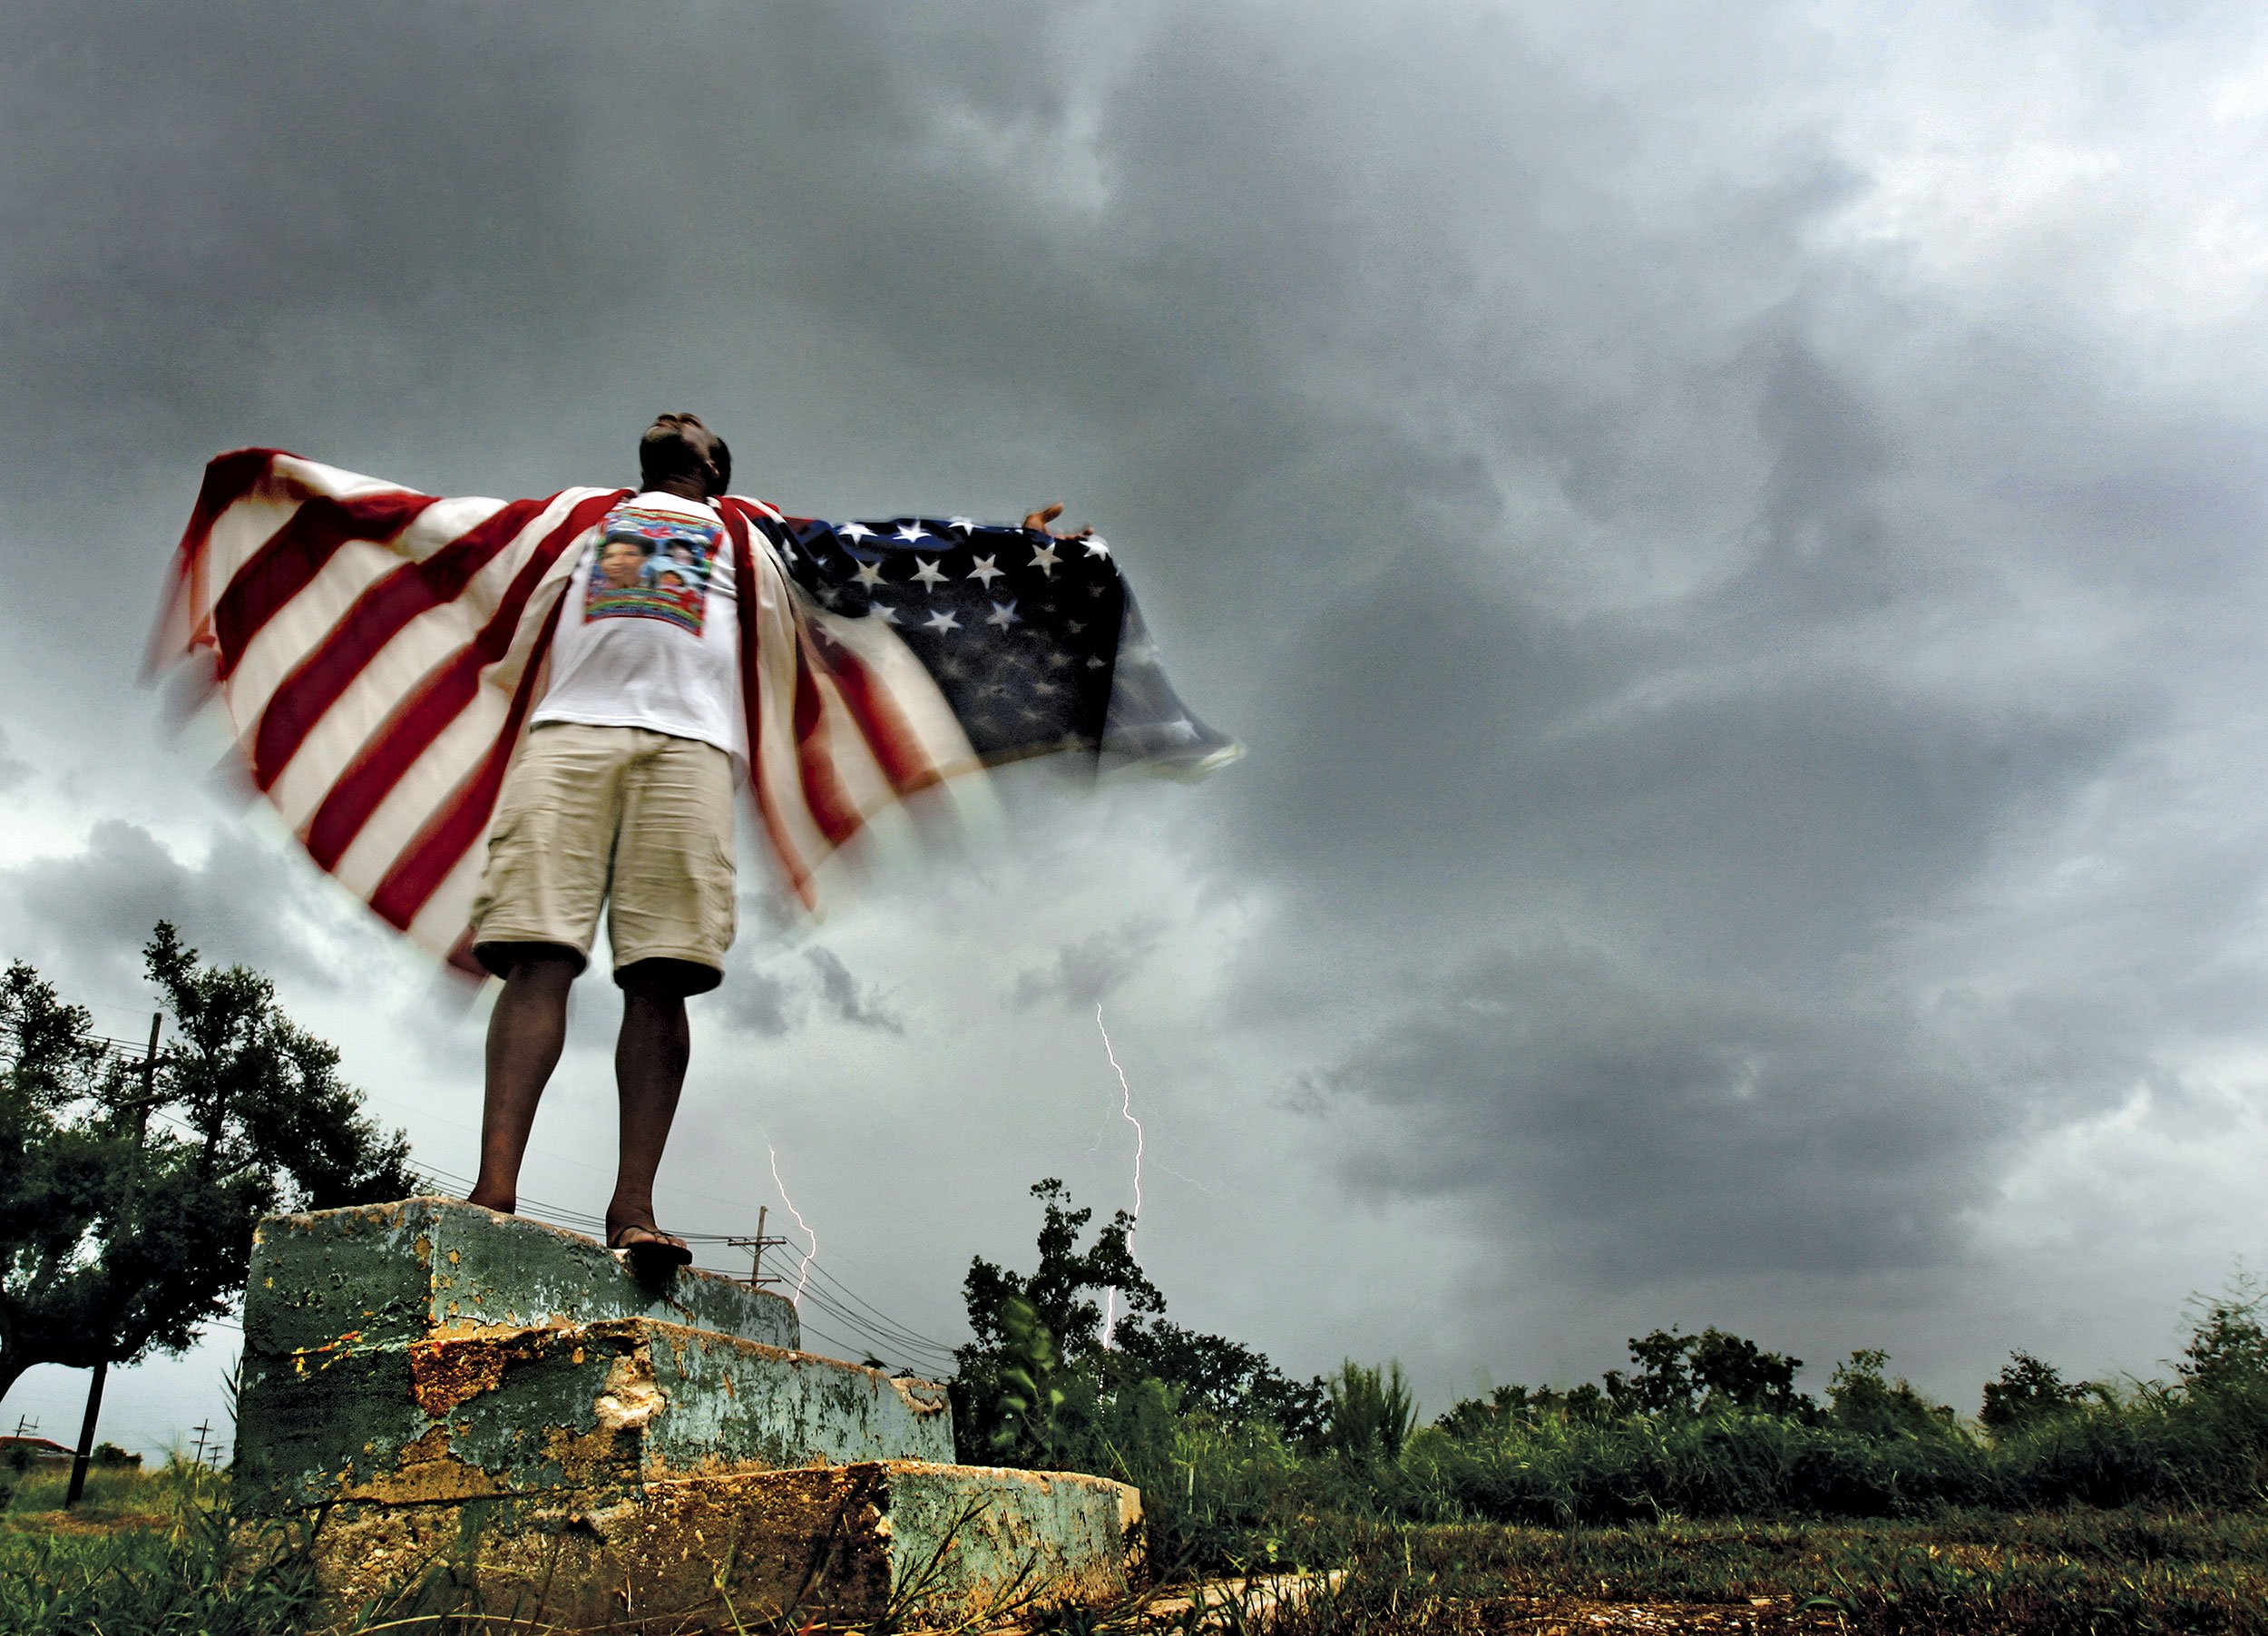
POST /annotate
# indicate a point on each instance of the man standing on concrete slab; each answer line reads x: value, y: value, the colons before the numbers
x: 491, y: 719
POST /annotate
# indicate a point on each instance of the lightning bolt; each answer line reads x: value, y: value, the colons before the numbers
x: 803, y: 1268
x: 1126, y: 1108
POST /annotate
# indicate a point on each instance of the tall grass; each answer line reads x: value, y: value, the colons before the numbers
x: 1237, y: 1495
x: 143, y: 1555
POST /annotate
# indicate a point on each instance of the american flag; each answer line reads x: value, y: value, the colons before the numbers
x: 376, y: 653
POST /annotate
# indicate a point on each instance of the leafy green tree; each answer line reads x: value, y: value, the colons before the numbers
x: 2030, y: 1390
x: 1063, y: 1290
x: 1232, y: 1382
x: 1680, y: 1374
x: 1036, y: 1382
x: 128, y: 1195
x: 1044, y: 1328
x: 1732, y: 1372
x: 2228, y: 1344
x: 1861, y: 1400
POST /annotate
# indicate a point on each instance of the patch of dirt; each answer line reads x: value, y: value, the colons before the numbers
x: 76, y: 1522
x: 1552, y: 1616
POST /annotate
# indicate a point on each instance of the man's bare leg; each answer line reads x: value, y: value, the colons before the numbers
x: 649, y: 1059
x: 525, y: 1034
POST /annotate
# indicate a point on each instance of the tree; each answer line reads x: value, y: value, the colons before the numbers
x: 1680, y: 1374
x: 1234, y: 1381
x: 126, y: 1213
x: 2029, y: 1389
x: 1861, y: 1400
x: 2228, y: 1344
x: 1061, y: 1290
x: 1038, y: 1352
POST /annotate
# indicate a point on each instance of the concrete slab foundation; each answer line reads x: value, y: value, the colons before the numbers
x: 388, y: 1274
x: 470, y: 1411
x: 898, y: 1542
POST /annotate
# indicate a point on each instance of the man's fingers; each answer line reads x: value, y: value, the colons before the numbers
x: 1043, y: 516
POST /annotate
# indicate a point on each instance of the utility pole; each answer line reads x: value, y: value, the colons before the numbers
x: 757, y: 1247
x: 85, y: 1451
x: 26, y: 1425
x: 204, y: 1430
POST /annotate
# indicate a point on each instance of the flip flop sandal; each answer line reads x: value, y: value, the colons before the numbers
x: 651, y: 1256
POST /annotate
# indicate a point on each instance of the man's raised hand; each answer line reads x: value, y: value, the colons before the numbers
x: 1046, y: 514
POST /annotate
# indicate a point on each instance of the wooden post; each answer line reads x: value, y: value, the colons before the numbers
x: 86, y: 1435
x: 84, y: 1452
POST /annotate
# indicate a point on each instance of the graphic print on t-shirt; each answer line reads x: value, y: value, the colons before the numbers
x: 652, y: 564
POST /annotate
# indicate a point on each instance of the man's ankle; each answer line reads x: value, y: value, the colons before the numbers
x: 502, y: 1203
x: 622, y: 1211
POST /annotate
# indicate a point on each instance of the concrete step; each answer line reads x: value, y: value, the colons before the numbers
x: 594, y: 1406
x: 883, y: 1545
x: 389, y: 1274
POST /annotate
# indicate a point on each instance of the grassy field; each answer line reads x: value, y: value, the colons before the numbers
x: 1659, y: 1502
x: 147, y: 1554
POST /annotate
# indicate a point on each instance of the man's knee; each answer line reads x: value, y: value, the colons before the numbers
x: 661, y: 978
x: 532, y: 964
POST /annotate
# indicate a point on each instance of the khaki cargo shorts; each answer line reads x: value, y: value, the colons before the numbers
x: 637, y: 820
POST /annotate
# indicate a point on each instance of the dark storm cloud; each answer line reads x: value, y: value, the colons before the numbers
x: 1652, y: 1130
x: 1089, y: 970
x: 763, y: 1000
x: 1725, y: 703
x: 759, y: 1001
x: 85, y: 919
x: 14, y: 773
x: 845, y: 997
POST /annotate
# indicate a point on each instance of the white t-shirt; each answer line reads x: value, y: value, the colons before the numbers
x: 650, y: 632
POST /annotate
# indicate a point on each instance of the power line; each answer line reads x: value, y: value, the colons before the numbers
x: 887, y: 1339
x: 818, y: 1272
x: 883, y: 1343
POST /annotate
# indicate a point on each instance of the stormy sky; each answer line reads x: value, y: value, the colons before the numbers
x: 1732, y: 535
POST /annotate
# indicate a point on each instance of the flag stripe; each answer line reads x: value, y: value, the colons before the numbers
x: 462, y: 821
x: 832, y: 810
x: 227, y: 479
x: 904, y: 758
x: 295, y: 553
x: 377, y: 617
x: 435, y: 702
x: 750, y: 597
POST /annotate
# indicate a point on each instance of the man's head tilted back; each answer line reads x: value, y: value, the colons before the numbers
x: 680, y: 446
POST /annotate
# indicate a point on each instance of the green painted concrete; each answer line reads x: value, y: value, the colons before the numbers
x: 963, y: 1536
x: 868, y: 1545
x: 586, y: 1405
x: 389, y: 1274
x: 435, y: 1389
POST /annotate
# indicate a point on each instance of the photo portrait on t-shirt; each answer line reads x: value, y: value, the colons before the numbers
x: 652, y: 564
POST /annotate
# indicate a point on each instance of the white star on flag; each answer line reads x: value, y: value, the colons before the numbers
x: 1002, y: 617
x: 869, y: 574
x: 941, y: 622
x: 963, y: 524
x: 855, y: 530
x: 1097, y: 546
x: 911, y: 532
x: 884, y: 612
x: 927, y: 573
x: 985, y: 570
x: 1044, y: 559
